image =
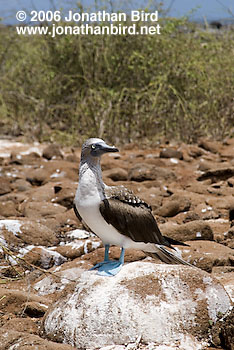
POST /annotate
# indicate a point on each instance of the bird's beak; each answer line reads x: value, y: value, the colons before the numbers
x: 106, y: 148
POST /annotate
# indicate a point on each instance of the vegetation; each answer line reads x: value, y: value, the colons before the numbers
x: 178, y: 85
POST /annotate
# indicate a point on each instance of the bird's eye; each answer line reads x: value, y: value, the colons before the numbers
x: 93, y: 146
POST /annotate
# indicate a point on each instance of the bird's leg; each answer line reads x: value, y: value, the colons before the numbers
x: 106, y: 256
x: 109, y: 267
x: 121, y: 259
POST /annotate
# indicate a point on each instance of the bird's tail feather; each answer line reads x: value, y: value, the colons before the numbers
x: 175, y: 242
x: 168, y: 257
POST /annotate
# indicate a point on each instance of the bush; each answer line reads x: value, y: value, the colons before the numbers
x: 178, y: 85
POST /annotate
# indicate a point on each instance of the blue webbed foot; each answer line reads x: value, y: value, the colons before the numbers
x: 109, y: 267
x: 97, y: 266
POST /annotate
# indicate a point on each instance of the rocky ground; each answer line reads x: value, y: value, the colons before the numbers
x: 45, y: 251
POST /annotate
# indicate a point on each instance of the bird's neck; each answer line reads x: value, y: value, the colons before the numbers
x: 90, y: 179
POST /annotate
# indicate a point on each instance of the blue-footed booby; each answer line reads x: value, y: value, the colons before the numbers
x: 115, y: 214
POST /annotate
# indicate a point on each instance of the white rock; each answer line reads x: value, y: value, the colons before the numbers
x: 166, y: 305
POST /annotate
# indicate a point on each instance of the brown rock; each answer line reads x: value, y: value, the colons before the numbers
x: 20, y: 159
x: 15, y: 158
x: 231, y: 213
x: 206, y: 254
x: 219, y: 228
x: 224, y: 202
x: 206, y: 212
x: 153, y: 196
x: 19, y: 232
x: 38, y: 176
x: 73, y: 158
x: 21, y: 185
x: 174, y: 206
x: 26, y: 341
x: 195, y: 151
x: 191, y: 216
x: 154, y: 160
x: 116, y: 174
x: 8, y: 209
x: 67, y: 219
x: 44, y: 258
x: 79, y: 247
x: 193, y: 230
x: 65, y: 194
x: 21, y: 325
x: 35, y: 309
x: 205, y: 165
x: 222, y: 333
x: 210, y: 146
x: 4, y: 185
x: 170, y: 153
x: 16, y: 198
x: 52, y: 151
x: 217, y: 174
x: 143, y: 172
x: 231, y: 182
x: 43, y: 193
x: 61, y: 169
x: 13, y: 301
x: 36, y: 210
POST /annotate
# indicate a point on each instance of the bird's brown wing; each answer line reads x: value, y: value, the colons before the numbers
x: 131, y: 216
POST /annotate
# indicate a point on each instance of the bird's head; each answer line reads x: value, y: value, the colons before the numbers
x: 95, y: 148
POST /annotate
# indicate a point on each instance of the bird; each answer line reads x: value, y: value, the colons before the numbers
x: 115, y: 214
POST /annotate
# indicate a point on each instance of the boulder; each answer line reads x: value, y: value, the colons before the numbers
x: 4, y: 185
x: 42, y: 209
x: 21, y: 325
x: 11, y: 339
x: 166, y: 305
x: 192, y: 230
x: 210, y: 146
x: 195, y: 151
x: 217, y: 174
x: 21, y: 185
x: 43, y: 193
x: 44, y: 257
x: 65, y: 193
x: 222, y: 333
x: 52, y: 151
x: 37, y: 177
x: 61, y: 170
x: 78, y: 247
x: 207, y: 254
x: 143, y: 172
x: 231, y: 182
x: 21, y: 159
x: 116, y: 174
x: 18, y: 233
x: 171, y: 153
x: 173, y: 206
x: 8, y: 208
x: 14, y: 301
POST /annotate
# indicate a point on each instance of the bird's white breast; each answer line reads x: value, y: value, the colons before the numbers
x: 88, y: 197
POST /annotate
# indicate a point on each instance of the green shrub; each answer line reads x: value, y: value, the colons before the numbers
x: 178, y: 85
